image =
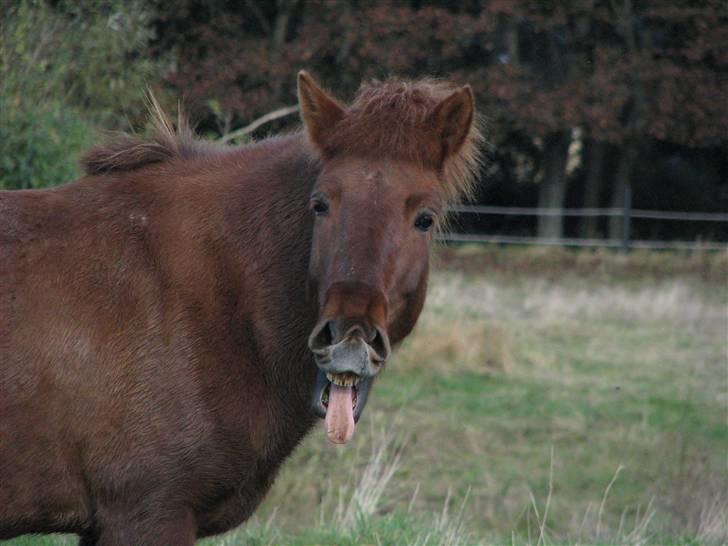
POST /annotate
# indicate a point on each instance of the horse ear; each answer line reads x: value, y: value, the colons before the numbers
x: 319, y: 111
x: 451, y: 119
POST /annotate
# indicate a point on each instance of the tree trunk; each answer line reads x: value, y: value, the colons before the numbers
x: 284, y: 10
x: 595, y: 150
x: 553, y: 183
x: 511, y: 42
x: 621, y: 178
x: 635, y: 119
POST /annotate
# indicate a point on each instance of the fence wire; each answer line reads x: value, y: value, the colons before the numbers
x: 634, y: 213
x: 587, y: 242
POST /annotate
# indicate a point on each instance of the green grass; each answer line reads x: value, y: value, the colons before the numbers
x: 516, y: 403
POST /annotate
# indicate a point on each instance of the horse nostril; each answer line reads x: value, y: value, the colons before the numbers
x: 322, y: 337
x: 380, y: 344
x: 328, y: 333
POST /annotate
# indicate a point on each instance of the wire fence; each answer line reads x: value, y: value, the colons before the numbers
x: 635, y: 213
x: 625, y: 243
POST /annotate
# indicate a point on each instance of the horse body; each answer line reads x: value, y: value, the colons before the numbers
x: 123, y: 269
x: 172, y: 323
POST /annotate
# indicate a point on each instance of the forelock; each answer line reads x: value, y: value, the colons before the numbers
x: 389, y: 119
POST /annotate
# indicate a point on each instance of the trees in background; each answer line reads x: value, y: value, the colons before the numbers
x: 66, y: 70
x: 576, y: 94
x: 581, y: 98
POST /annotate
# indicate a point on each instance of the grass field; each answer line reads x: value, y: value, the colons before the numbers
x: 545, y: 397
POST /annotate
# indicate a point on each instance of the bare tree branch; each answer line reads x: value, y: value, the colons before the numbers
x: 275, y: 114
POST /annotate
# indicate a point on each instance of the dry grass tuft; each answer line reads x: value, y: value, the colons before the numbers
x: 474, y: 346
x: 552, y: 263
x: 449, y: 529
x: 692, y: 494
x: 673, y: 300
x: 363, y: 499
x: 712, y: 522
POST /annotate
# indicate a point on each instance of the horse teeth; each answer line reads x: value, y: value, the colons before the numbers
x: 343, y: 379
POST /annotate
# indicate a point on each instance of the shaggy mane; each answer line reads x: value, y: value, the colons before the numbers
x: 386, y: 119
x: 125, y: 152
x: 390, y: 119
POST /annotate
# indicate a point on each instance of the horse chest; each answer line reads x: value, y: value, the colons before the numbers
x: 238, y: 498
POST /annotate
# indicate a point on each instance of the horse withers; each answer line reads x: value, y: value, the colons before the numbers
x: 172, y: 324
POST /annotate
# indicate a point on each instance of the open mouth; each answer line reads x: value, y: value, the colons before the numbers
x: 341, y: 380
x: 340, y: 400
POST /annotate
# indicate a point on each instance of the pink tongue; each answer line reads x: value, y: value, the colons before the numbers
x: 340, y: 414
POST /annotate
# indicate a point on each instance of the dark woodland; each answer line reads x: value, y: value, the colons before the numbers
x: 579, y: 98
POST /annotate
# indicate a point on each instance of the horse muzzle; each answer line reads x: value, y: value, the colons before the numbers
x: 347, y: 365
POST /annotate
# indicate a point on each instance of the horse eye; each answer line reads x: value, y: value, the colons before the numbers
x: 424, y: 221
x: 320, y: 207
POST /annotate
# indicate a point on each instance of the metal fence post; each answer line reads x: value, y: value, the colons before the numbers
x: 626, y: 220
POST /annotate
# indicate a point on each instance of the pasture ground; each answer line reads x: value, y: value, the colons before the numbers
x: 546, y: 397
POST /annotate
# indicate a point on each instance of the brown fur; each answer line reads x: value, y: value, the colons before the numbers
x: 155, y: 315
x: 393, y: 119
x: 130, y: 152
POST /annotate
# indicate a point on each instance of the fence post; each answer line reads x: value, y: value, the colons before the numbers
x: 626, y: 217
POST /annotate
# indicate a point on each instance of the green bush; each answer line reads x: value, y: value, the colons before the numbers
x: 66, y: 70
x: 40, y: 144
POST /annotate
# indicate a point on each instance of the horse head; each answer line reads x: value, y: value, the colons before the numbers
x: 390, y: 163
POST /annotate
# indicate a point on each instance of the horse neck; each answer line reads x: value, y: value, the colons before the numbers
x: 268, y: 230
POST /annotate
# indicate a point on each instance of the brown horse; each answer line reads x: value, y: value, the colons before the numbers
x: 172, y: 323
